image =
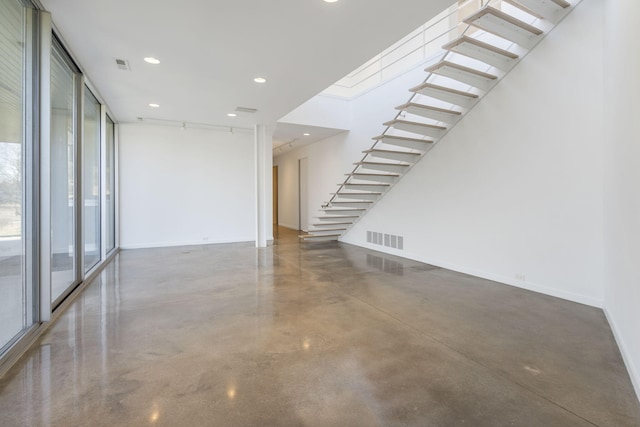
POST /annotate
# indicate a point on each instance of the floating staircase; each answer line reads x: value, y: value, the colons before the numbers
x: 495, y: 39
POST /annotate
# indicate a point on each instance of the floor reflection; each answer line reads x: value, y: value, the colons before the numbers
x: 316, y: 335
x: 386, y: 265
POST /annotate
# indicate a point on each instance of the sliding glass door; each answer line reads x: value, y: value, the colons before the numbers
x: 63, y: 182
x: 16, y: 220
x: 91, y: 226
x: 57, y: 176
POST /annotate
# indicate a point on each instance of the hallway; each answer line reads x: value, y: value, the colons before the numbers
x: 315, y: 335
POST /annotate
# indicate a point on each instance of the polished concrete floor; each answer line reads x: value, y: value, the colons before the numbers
x: 316, y: 335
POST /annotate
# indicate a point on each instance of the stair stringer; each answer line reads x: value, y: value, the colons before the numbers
x: 444, y: 55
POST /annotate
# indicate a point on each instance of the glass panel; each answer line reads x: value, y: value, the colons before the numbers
x: 13, y: 295
x: 62, y: 176
x: 110, y: 187
x: 91, y: 180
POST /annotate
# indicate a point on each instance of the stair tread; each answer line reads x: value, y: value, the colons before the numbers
x: 426, y: 107
x: 330, y: 223
x: 402, y: 138
x: 466, y: 39
x: 318, y: 236
x: 377, y: 150
x: 381, y: 163
x: 562, y: 3
x: 462, y: 68
x: 444, y: 89
x: 394, y: 175
x: 369, y: 192
x: 406, y: 122
x: 368, y: 185
x: 373, y: 193
x: 488, y: 10
x: 359, y: 201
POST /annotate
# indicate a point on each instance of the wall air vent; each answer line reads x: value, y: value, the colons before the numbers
x: 123, y: 64
x: 389, y: 240
x: 246, y: 110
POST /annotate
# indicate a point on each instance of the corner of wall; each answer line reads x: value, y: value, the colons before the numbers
x: 632, y: 369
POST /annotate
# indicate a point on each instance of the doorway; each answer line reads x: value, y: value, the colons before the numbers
x: 275, y: 198
x: 303, y: 178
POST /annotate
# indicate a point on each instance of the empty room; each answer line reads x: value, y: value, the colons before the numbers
x: 319, y: 213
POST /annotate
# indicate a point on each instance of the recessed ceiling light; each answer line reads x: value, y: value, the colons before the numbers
x: 260, y: 80
x: 330, y: 1
x: 306, y: 134
x: 154, y: 105
x: 152, y: 60
x: 231, y: 114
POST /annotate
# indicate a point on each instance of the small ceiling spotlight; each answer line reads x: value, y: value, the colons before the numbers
x: 330, y: 1
x: 306, y: 134
x: 154, y: 105
x: 232, y: 114
x: 152, y: 60
x: 260, y: 80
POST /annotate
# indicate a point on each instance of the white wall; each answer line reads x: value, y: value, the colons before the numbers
x: 324, y: 172
x: 185, y: 187
x: 514, y: 192
x: 622, y: 179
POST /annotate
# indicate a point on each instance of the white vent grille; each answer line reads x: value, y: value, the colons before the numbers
x: 389, y: 240
x: 122, y: 64
x: 246, y: 110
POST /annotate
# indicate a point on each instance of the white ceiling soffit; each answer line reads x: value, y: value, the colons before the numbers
x: 210, y: 51
x: 288, y: 136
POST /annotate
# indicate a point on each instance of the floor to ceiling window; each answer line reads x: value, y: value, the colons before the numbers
x: 57, y: 176
x: 16, y: 285
x: 91, y: 180
x: 110, y: 208
x: 63, y: 182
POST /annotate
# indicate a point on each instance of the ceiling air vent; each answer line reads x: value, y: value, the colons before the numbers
x: 123, y: 64
x: 246, y: 110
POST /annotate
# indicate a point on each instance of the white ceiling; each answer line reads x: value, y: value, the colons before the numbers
x: 288, y: 136
x: 211, y: 50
